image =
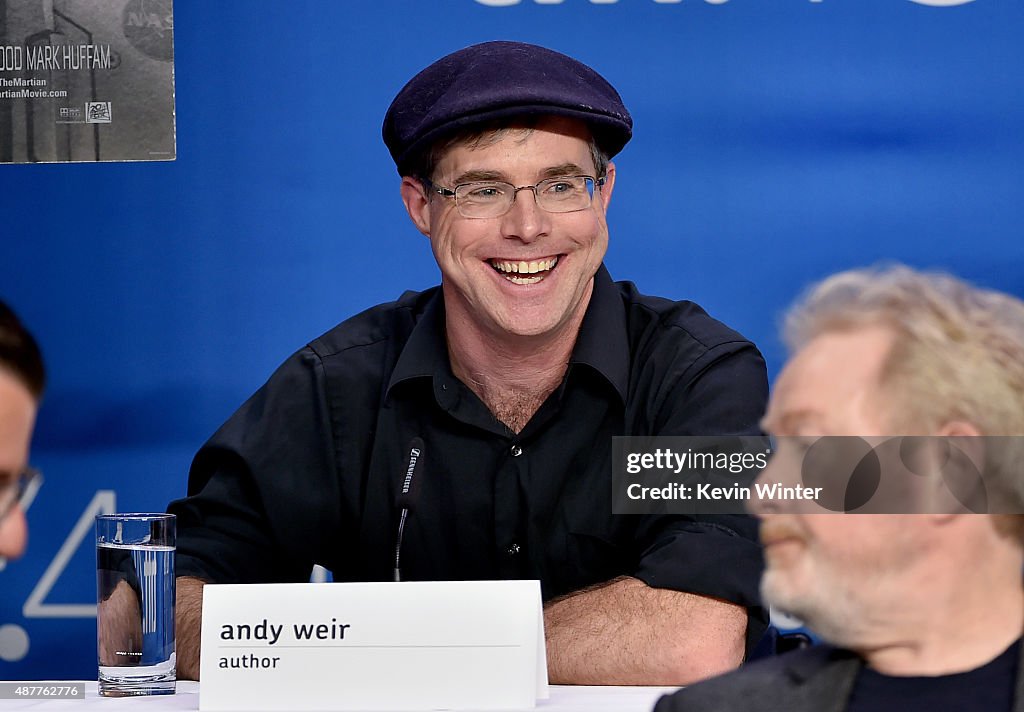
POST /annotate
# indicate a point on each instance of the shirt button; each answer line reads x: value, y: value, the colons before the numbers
x: 513, y: 550
x: 516, y: 451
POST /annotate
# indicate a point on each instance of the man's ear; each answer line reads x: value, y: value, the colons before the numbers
x: 959, y: 428
x: 417, y: 203
x: 609, y: 185
x: 962, y: 481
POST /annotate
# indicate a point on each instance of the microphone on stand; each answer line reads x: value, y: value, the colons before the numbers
x: 408, y: 496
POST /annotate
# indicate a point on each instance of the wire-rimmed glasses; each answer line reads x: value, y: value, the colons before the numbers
x: 492, y: 199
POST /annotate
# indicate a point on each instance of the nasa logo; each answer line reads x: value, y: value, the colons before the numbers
x: 149, y: 26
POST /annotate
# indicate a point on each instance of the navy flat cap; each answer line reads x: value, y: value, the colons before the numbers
x: 501, y: 80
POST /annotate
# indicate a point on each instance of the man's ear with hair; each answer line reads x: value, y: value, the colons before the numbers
x: 417, y: 203
x: 965, y: 453
x: 609, y: 185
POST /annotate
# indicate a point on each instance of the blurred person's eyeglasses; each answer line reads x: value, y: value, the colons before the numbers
x: 492, y: 199
x: 15, y: 488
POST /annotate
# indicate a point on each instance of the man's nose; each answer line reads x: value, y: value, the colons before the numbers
x: 764, y: 507
x: 525, y: 219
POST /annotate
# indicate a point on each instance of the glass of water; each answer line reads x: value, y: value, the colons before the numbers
x: 135, y: 604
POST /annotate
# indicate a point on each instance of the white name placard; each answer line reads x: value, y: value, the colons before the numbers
x: 373, y: 646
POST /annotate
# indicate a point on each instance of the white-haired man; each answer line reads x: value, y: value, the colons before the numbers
x: 922, y: 611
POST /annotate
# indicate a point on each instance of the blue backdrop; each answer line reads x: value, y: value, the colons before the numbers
x: 776, y: 142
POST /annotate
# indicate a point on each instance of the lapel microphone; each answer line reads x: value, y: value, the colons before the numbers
x: 408, y: 496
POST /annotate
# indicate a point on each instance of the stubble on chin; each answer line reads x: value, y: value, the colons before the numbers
x: 820, y: 607
x: 776, y: 592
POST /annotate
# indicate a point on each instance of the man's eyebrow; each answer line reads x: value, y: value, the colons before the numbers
x: 565, y: 169
x: 788, y: 422
x: 475, y: 176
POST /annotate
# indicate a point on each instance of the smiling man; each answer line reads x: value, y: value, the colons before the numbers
x: 511, y: 378
x: 517, y: 273
x: 921, y: 610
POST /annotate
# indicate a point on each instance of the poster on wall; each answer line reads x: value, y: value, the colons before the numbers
x: 86, y: 80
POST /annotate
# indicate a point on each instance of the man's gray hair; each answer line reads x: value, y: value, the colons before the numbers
x: 958, y: 351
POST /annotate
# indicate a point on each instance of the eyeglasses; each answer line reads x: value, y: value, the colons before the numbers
x: 16, y: 488
x: 492, y: 199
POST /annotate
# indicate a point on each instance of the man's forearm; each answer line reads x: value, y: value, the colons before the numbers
x: 119, y: 627
x: 627, y: 633
x: 188, y: 620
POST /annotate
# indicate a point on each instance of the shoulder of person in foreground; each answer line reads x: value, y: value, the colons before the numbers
x: 815, y: 679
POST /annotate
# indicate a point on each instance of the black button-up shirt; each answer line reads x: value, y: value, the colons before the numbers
x: 308, y: 469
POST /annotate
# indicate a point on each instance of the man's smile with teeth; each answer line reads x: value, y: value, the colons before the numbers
x: 524, y: 272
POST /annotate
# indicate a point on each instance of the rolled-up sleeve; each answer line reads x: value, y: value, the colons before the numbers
x: 262, y: 491
x: 724, y: 392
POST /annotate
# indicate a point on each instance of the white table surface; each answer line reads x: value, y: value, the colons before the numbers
x: 564, y: 698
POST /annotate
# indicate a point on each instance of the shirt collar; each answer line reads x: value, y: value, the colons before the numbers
x: 602, y: 342
x: 426, y: 351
